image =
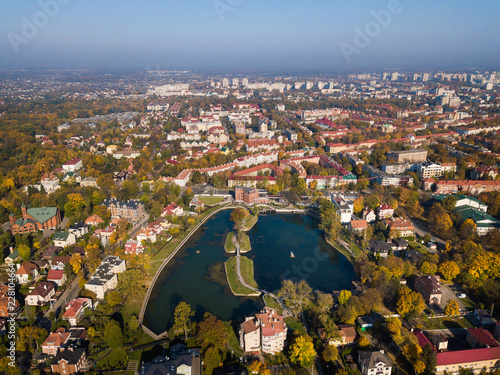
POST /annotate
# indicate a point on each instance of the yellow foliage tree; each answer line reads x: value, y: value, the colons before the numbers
x: 452, y: 308
x: 302, y: 351
x: 76, y: 262
x: 449, y: 270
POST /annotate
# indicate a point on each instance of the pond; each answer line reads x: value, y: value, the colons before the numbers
x: 199, y: 278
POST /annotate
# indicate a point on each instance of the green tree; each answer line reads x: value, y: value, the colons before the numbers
x: 429, y: 358
x: 428, y: 268
x: 24, y: 252
x: 330, y: 353
x: 211, y: 360
x: 329, y: 219
x: 344, y: 296
x: 295, y: 295
x: 302, y: 352
x: 113, y: 334
x: 133, y: 322
x: 182, y: 317
x: 324, y: 301
x: 372, y: 201
x: 113, y: 298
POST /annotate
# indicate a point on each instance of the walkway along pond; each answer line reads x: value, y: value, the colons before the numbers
x: 199, y: 279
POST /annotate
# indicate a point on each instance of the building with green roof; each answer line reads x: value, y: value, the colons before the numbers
x: 35, y: 219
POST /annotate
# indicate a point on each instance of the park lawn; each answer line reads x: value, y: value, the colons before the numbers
x: 419, y: 247
x: 250, y: 222
x: 355, y: 248
x: 232, y: 278
x: 245, y: 242
x: 209, y: 201
x: 234, y: 344
x: 295, y: 325
x: 447, y: 323
x: 229, y: 246
x: 116, y: 358
x: 247, y: 271
x: 271, y: 302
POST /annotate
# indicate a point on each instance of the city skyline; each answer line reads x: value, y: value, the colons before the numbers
x: 225, y: 34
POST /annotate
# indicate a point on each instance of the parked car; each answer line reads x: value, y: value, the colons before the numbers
x: 461, y: 295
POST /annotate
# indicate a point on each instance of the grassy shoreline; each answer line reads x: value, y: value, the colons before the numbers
x: 229, y: 245
x: 247, y: 273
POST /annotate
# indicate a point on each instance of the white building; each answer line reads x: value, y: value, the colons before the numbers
x: 105, y: 277
x: 73, y: 165
x: 265, y: 331
x: 374, y: 363
x: 345, y: 209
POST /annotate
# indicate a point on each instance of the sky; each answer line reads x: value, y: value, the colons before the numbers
x: 250, y: 34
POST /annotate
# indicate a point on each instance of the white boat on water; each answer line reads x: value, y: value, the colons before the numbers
x: 292, y: 255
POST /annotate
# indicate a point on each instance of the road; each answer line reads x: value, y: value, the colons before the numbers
x: 422, y: 230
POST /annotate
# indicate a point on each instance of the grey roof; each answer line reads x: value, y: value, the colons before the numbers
x: 71, y: 356
x: 370, y: 359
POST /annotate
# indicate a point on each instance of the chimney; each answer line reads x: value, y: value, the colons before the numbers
x: 11, y: 249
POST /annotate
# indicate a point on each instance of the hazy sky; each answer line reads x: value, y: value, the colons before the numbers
x: 256, y: 34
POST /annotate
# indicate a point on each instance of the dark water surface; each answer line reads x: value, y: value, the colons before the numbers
x: 199, y: 279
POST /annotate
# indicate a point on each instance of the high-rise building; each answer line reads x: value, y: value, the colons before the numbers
x: 236, y: 82
x: 225, y: 82
x: 244, y: 82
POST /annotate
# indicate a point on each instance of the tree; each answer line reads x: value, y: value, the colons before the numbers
x: 329, y: 219
x: 211, y: 360
x: 259, y: 368
x: 91, y: 331
x: 82, y: 282
x: 30, y: 337
x: 76, y: 262
x: 363, y: 342
x: 133, y: 323
x: 452, y: 308
x: 113, y: 334
x: 449, y: 270
x: 24, y: 252
x: 113, y: 298
x: 409, y: 302
x: 419, y: 367
x: 429, y: 358
x: 344, y: 296
x: 372, y: 201
x: 358, y: 204
x: 467, y: 229
x: 238, y: 216
x: 182, y: 315
x: 428, y: 268
x: 295, y: 295
x: 211, y: 332
x: 330, y: 353
x: 302, y: 352
x: 324, y: 301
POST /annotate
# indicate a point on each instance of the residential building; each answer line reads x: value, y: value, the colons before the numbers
x: 146, y: 234
x: 430, y: 288
x: 347, y: 335
x: 481, y: 338
x: 59, y: 262
x: 345, y: 209
x: 26, y: 272
x: 385, y: 211
x: 58, y: 277
x: 369, y: 215
x: 134, y: 247
x: 400, y: 228
x: 471, y: 186
x: 94, y: 220
x: 8, y: 307
x: 63, y: 239
x: 79, y: 229
x: 412, y: 156
x: 374, y: 363
x: 69, y: 361
x: 132, y: 210
x: 172, y: 209
x: 35, y: 219
x: 41, y: 295
x: 73, y: 165
x: 50, y: 182
x: 105, y: 277
x: 180, y: 361
x: 74, y: 310
x: 358, y: 226
x: 264, y: 332
x: 89, y: 182
x: 61, y: 339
